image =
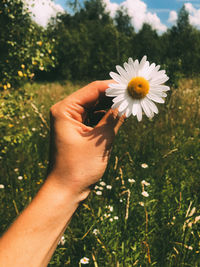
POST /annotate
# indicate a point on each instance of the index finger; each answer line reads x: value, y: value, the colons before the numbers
x: 90, y: 94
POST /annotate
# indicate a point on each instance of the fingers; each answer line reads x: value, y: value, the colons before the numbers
x: 112, y: 120
x: 91, y: 94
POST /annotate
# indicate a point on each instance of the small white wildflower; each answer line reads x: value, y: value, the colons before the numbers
x: 145, y: 194
x: 2, y: 186
x: 101, y: 188
x: 20, y: 177
x: 84, y: 260
x: 16, y: 169
x: 96, y: 187
x: 144, y: 165
x: 23, y: 117
x: 33, y: 129
x: 98, y: 193
x: 141, y: 204
x: 116, y: 218
x: 110, y: 208
x: 62, y: 240
x: 131, y: 181
x: 102, y: 183
x: 145, y: 183
x: 95, y: 232
x: 109, y: 187
x: 111, y: 219
x: 107, y: 215
x: 121, y: 200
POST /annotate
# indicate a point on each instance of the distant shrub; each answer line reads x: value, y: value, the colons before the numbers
x: 24, y: 47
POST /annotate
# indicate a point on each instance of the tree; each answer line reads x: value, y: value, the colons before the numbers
x: 183, y: 23
x: 123, y: 22
x: 183, y: 47
x: 147, y: 42
x: 24, y: 48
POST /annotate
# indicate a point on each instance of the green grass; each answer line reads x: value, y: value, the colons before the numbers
x: 158, y: 230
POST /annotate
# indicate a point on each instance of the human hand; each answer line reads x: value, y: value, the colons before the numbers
x: 79, y: 153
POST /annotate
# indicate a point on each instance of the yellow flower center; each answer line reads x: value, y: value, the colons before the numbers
x: 138, y: 87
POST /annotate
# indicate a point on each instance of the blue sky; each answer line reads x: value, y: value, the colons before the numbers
x: 160, y: 14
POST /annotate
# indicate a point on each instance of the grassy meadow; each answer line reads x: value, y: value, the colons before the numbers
x: 145, y: 211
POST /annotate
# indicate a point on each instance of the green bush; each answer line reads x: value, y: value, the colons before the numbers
x: 24, y: 47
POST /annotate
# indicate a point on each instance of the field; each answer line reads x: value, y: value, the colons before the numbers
x: 144, y: 211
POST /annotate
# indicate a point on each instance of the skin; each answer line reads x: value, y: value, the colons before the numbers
x: 79, y: 155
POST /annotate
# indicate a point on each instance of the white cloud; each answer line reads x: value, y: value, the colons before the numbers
x: 155, y: 22
x: 43, y: 10
x: 111, y: 7
x: 139, y: 14
x: 194, y: 14
x: 172, y: 17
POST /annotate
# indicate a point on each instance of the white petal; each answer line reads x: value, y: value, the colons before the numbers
x: 117, y: 78
x: 158, y: 93
x: 159, y: 81
x: 155, y: 98
x: 158, y: 76
x: 117, y: 86
x: 161, y: 87
x: 142, y: 62
x: 122, y: 72
x: 146, y: 108
x: 130, y: 61
x: 118, y: 98
x: 161, y: 72
x: 129, y: 110
x: 132, y: 67
x: 112, y: 91
x: 123, y: 105
x: 129, y: 70
x: 135, y: 107
x: 117, y: 104
x: 139, y: 113
x: 142, y: 71
x: 151, y: 105
x: 114, y: 94
x: 148, y: 72
x: 136, y: 67
x: 127, y: 67
x: 155, y: 71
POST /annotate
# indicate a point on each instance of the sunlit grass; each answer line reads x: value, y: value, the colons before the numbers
x: 144, y: 211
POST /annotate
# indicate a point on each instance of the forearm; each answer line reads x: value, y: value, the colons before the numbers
x: 36, y: 232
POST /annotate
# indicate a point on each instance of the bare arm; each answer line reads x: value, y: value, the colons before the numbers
x: 79, y: 156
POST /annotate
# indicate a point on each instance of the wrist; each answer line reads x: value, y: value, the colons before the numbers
x: 67, y: 188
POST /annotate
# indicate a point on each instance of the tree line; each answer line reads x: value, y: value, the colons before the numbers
x: 87, y: 44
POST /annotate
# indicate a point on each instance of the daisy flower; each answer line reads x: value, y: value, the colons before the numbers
x: 145, y: 194
x: 138, y: 85
x: 145, y: 183
x: 84, y: 260
x: 144, y: 165
x: 98, y: 193
x: 95, y: 232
